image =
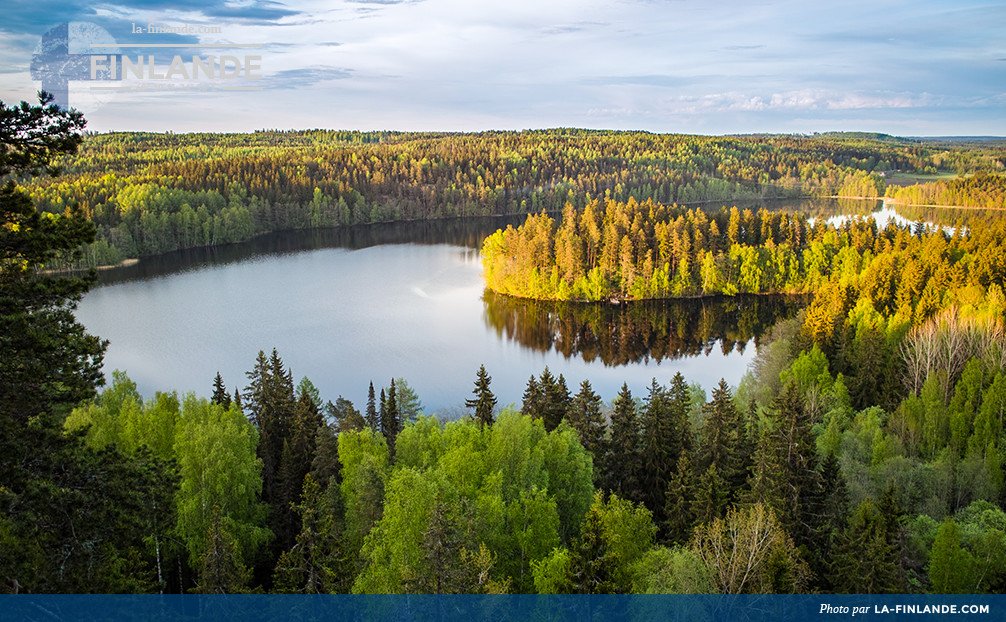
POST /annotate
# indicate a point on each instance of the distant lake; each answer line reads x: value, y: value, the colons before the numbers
x: 352, y: 305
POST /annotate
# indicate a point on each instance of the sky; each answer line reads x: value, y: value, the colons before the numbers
x: 909, y: 68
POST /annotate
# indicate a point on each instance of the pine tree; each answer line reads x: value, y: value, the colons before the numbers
x: 220, y: 394
x: 48, y: 362
x: 484, y: 400
x: 346, y: 416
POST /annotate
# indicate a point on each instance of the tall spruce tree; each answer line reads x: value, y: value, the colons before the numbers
x: 314, y: 564
x: 864, y: 561
x: 373, y: 419
x: 484, y: 401
x: 391, y: 422
x: 678, y: 503
x: 586, y: 418
x: 622, y: 464
x: 531, y: 403
x: 795, y: 448
x: 657, y: 458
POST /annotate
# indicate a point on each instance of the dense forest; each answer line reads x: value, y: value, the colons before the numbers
x: 151, y: 193
x: 861, y: 453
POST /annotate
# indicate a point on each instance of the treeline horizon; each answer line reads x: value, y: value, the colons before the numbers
x: 150, y: 194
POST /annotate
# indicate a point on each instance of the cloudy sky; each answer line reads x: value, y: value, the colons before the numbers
x: 905, y: 67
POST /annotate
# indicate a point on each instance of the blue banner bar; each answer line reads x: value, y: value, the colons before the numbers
x: 472, y: 608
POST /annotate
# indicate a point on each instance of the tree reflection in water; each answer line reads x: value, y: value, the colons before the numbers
x: 637, y: 331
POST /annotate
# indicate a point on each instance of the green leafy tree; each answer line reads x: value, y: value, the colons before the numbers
x: 677, y: 570
x: 364, y: 458
x: 748, y: 551
x: 215, y: 450
x: 952, y: 569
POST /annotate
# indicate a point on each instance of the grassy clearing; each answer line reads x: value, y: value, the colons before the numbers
x: 898, y: 178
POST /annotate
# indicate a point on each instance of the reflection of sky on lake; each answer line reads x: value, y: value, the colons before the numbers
x: 343, y: 318
x: 886, y: 215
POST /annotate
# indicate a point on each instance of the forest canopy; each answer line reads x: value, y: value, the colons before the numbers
x: 152, y: 193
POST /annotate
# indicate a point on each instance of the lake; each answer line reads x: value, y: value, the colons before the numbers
x: 348, y: 306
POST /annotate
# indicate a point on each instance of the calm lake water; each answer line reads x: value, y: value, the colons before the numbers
x: 348, y: 306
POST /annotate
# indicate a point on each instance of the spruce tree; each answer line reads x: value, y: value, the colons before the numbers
x: 719, y: 437
x: 587, y: 419
x: 391, y: 423
x: 592, y: 562
x: 220, y: 394
x: 314, y: 564
x: 531, y: 404
x: 712, y: 496
x: 557, y: 402
x: 622, y: 468
x: 796, y: 450
x: 484, y: 400
x: 443, y: 570
x: 656, y: 445
x: 864, y: 561
x: 678, y: 502
x: 221, y: 571
x: 679, y: 434
x: 373, y: 419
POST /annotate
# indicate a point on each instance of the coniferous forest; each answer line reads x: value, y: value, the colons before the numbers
x: 860, y: 453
